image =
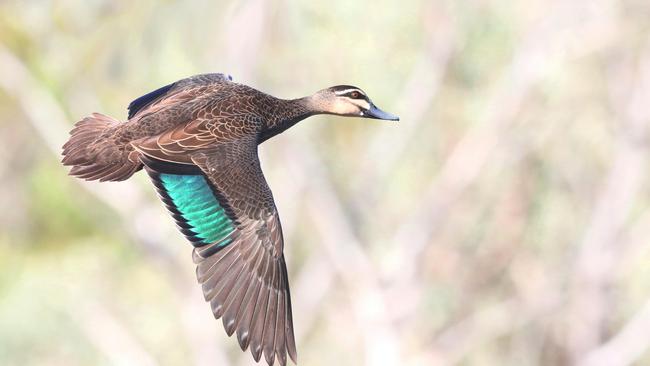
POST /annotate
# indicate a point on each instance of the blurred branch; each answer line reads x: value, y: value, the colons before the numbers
x: 348, y: 258
x: 424, y: 81
x: 310, y: 288
x: 625, y: 347
x: 489, y: 322
x: 600, y: 249
x: 244, y: 33
x: 544, y: 48
x: 636, y: 241
x: 202, y: 333
x: 540, y: 51
x: 110, y: 335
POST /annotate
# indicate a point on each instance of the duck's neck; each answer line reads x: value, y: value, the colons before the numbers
x: 286, y: 113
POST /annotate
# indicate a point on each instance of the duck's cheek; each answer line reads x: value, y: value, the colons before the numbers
x: 363, y: 105
x: 343, y: 108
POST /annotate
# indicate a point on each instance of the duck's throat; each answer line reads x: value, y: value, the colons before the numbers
x: 286, y: 114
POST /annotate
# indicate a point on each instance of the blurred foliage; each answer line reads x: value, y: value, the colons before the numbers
x: 503, y: 221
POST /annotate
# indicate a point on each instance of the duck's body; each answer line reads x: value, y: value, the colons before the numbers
x: 197, y: 138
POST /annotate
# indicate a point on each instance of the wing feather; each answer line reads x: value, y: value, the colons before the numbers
x: 243, y: 275
x: 188, y: 86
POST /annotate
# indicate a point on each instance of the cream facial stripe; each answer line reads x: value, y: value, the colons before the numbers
x: 362, y: 103
x: 345, y: 91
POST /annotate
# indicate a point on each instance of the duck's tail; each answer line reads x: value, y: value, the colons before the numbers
x: 95, y: 152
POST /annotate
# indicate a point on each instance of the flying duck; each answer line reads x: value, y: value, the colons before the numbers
x: 197, y: 140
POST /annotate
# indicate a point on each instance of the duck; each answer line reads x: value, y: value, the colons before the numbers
x: 197, y: 139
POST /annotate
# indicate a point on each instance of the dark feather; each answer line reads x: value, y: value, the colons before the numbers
x: 143, y: 101
x: 170, y: 168
x: 95, y: 157
x: 271, y: 317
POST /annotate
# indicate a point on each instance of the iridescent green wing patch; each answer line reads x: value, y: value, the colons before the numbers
x: 195, y: 207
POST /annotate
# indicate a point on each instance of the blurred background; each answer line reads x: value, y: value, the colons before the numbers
x: 504, y: 220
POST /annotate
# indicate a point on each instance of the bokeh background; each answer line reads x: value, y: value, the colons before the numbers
x: 503, y: 221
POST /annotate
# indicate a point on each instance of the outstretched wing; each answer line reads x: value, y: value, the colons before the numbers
x: 223, y: 205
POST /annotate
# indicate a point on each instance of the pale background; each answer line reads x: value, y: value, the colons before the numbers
x: 504, y: 220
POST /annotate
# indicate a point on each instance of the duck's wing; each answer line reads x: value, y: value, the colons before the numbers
x: 224, y: 206
x: 175, y: 93
x: 211, y: 130
x: 178, y: 143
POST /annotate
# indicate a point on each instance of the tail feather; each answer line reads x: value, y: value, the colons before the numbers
x: 94, y: 152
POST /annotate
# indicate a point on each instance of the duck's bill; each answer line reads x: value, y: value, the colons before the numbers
x: 377, y: 113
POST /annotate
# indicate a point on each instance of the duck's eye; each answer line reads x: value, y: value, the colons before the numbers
x: 354, y: 95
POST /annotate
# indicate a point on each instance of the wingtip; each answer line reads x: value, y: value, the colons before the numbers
x: 256, y: 351
x: 293, y: 356
x: 244, y: 339
x: 282, y: 358
x: 229, y: 325
x: 270, y: 358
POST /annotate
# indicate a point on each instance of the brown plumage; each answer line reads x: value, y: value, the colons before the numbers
x: 197, y: 139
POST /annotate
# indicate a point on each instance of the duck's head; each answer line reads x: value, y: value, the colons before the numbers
x: 347, y: 100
